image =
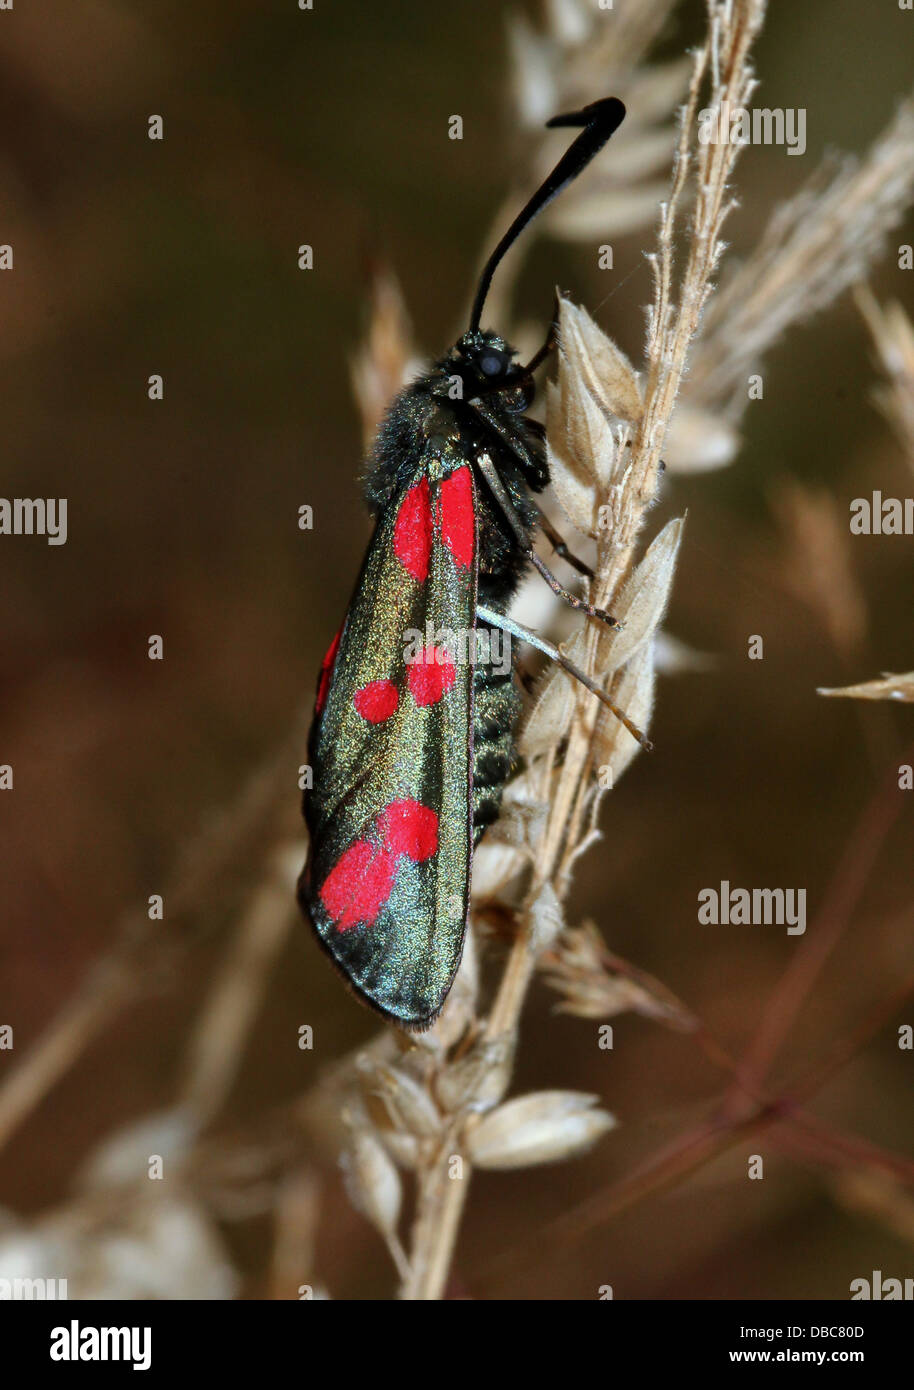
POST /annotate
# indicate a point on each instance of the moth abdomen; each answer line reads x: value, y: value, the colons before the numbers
x: 497, y: 709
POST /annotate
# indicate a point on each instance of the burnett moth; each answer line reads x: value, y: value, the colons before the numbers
x: 411, y: 746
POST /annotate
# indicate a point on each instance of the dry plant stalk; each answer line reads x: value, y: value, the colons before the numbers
x: 815, y: 246
x: 606, y: 430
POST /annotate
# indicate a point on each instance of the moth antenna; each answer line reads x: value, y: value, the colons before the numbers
x: 600, y: 120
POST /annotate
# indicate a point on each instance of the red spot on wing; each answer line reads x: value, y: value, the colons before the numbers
x: 458, y: 519
x: 362, y: 880
x: 376, y: 701
x: 413, y: 531
x: 359, y: 884
x: 323, y: 684
x: 409, y: 828
x: 430, y: 675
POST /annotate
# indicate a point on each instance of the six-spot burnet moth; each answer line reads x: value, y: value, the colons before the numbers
x: 411, y: 746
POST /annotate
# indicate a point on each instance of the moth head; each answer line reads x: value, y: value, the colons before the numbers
x: 483, y: 359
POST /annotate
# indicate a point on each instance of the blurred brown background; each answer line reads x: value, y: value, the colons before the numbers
x: 179, y: 257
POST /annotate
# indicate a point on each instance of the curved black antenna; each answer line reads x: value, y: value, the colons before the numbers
x: 600, y: 120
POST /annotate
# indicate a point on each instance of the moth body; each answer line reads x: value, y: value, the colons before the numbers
x: 415, y: 722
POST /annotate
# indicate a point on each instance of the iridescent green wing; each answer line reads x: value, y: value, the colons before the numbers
x: 390, y: 810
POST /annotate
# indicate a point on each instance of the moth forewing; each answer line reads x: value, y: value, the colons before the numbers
x: 390, y: 814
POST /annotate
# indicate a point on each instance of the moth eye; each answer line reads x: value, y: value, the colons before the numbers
x: 491, y: 363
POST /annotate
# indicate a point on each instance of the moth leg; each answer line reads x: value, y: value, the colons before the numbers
x: 560, y: 547
x: 490, y: 473
x: 533, y: 639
